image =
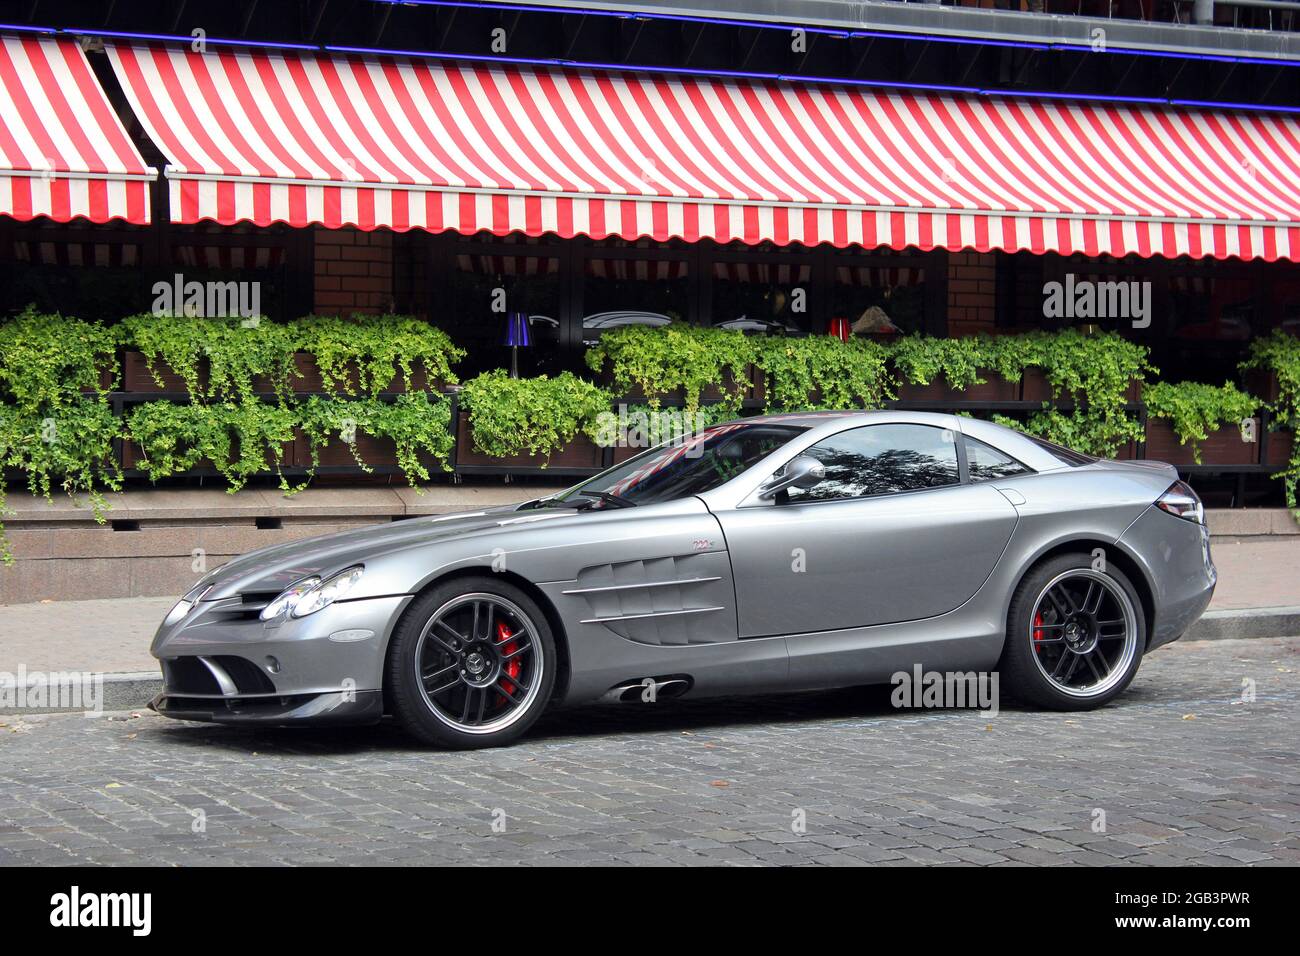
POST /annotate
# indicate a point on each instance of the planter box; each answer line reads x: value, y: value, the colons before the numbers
x: 1262, y: 384
x: 374, y: 451
x: 623, y: 452
x: 136, y: 376
x: 995, y: 389
x: 309, y: 378
x: 132, y: 455
x: 582, y: 452
x: 1223, y: 446
x: 1126, y: 452
x: 1034, y: 387
x: 1280, y: 444
x: 755, y: 387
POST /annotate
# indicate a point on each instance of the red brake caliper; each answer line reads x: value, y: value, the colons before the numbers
x: 1038, y: 628
x: 513, y: 666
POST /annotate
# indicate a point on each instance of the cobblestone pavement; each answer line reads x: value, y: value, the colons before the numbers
x: 1183, y: 769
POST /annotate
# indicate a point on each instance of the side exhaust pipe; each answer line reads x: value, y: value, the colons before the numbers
x: 648, y: 690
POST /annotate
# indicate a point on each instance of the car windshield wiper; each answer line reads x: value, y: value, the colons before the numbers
x: 618, y: 501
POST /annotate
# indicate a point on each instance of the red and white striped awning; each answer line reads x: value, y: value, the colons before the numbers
x: 414, y: 143
x: 63, y: 151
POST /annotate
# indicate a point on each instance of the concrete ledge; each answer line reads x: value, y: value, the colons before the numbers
x: 1248, y: 622
x: 131, y: 691
x: 159, y: 542
x: 1250, y: 522
x: 190, y: 504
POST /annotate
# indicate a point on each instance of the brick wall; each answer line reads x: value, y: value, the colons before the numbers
x: 354, y: 271
x: 972, y: 292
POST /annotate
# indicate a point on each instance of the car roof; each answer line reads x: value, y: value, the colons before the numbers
x: 815, y: 419
x: 1007, y: 440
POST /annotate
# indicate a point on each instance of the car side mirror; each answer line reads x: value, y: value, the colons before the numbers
x: 802, y: 471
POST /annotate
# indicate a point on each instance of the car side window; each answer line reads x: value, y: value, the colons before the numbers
x: 882, y: 460
x: 986, y: 463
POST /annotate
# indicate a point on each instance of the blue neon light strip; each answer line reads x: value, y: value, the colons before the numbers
x: 633, y: 68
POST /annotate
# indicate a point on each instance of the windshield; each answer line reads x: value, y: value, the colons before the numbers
x: 684, y: 467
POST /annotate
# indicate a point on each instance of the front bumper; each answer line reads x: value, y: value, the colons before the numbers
x: 222, y: 664
x: 337, y: 708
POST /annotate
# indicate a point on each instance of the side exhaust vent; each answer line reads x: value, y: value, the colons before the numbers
x: 649, y: 689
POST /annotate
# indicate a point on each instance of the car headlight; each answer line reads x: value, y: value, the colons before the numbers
x: 186, y: 604
x: 289, y: 598
x: 311, y: 594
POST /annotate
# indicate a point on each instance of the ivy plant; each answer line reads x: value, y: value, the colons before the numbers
x: 1093, y: 370
x: 69, y: 446
x: 417, y: 424
x: 239, y: 355
x: 56, y: 426
x: 377, y: 348
x: 643, y: 426
x: 675, y: 357
x: 532, y: 416
x: 1194, y: 409
x: 1279, y: 353
x: 823, y: 372
x: 240, y: 439
x: 50, y: 361
x: 922, y: 359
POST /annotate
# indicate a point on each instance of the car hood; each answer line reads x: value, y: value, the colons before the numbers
x: 276, y: 567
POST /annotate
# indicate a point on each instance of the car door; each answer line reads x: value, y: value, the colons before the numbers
x: 891, y: 534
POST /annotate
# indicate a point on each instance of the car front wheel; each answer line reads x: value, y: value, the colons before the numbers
x: 1075, y: 634
x: 471, y: 664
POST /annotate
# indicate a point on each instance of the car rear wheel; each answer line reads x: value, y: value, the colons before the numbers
x: 471, y: 664
x: 1075, y: 634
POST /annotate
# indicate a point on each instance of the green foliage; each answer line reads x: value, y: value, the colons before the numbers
x: 1279, y: 353
x: 921, y: 359
x: 56, y: 425
x: 376, y: 345
x: 417, y: 424
x: 643, y: 426
x: 69, y: 446
x: 1094, y: 370
x: 531, y: 416
x: 1079, y: 430
x: 48, y: 361
x: 234, y: 352
x: 660, y: 361
x: 239, y: 439
x: 1194, y: 409
x: 823, y: 372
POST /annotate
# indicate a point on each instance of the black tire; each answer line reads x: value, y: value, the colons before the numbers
x: 418, y: 713
x: 1026, y: 658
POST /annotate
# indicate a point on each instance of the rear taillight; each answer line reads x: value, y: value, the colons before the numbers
x: 1181, y: 502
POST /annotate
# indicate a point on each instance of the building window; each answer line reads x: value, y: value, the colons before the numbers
x: 762, y: 297
x: 618, y: 291
x: 879, y: 296
x: 487, y: 281
x: 78, y: 268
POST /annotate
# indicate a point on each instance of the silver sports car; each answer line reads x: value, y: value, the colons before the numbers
x: 783, y: 552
